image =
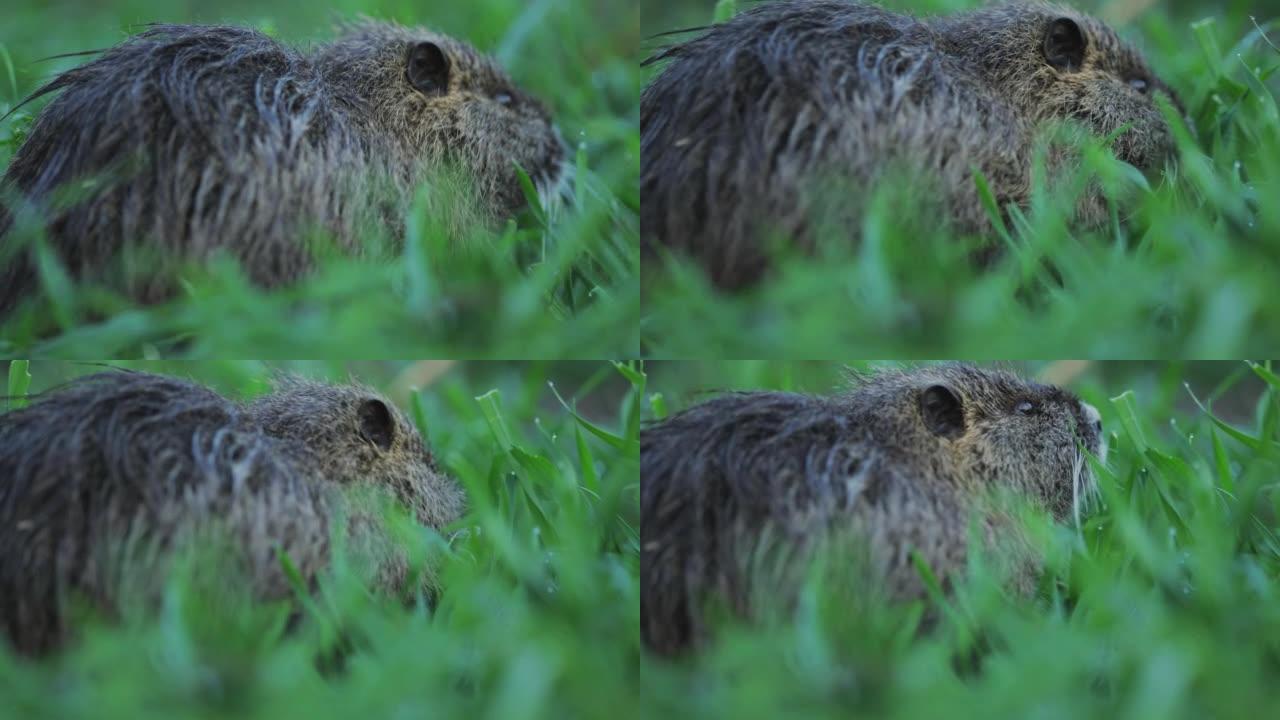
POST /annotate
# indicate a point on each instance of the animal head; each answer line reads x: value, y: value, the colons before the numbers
x: 1058, y: 64
x: 354, y: 435
x: 989, y: 428
x: 449, y: 104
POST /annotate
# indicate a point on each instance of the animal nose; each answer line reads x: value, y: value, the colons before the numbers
x: 1092, y: 417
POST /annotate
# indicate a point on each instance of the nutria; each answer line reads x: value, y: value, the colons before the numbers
x: 184, y: 141
x: 786, y: 117
x: 106, y: 474
x: 902, y: 462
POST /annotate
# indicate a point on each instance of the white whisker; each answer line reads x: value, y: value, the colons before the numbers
x: 1077, y: 478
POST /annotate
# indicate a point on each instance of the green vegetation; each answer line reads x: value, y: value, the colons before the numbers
x: 1187, y: 268
x: 563, y: 285
x: 539, y: 617
x: 1165, y: 604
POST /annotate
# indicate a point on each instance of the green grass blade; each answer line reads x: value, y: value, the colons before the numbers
x: 19, y: 381
x: 725, y: 10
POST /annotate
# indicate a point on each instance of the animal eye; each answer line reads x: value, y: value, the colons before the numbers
x: 1026, y: 407
x: 504, y: 99
x: 1140, y: 85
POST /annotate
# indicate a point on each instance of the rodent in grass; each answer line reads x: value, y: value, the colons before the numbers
x: 104, y: 476
x: 781, y: 121
x: 903, y: 462
x: 187, y: 140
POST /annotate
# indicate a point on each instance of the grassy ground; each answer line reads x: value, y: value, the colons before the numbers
x: 540, y: 613
x: 564, y: 286
x: 1189, y: 269
x: 1165, y: 605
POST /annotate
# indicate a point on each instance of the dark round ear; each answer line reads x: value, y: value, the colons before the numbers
x: 942, y: 411
x: 1064, y: 45
x: 376, y: 423
x: 428, y: 69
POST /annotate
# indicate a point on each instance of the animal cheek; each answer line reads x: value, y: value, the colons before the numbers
x: 1098, y: 99
x: 475, y: 113
x: 1071, y: 98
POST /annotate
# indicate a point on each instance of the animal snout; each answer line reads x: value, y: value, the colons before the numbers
x: 1093, y: 420
x: 1092, y: 416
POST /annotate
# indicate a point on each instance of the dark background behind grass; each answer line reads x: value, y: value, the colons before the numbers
x: 569, y: 290
x: 1191, y: 272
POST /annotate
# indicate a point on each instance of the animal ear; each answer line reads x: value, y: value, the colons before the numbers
x: 428, y: 69
x: 1064, y: 44
x: 376, y: 423
x: 942, y: 411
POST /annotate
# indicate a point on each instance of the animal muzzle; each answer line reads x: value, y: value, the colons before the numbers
x: 1084, y: 483
x: 1095, y: 441
x: 555, y: 175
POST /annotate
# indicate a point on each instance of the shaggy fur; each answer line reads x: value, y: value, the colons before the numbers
x: 778, y: 472
x: 750, y: 119
x: 187, y: 140
x: 105, y: 476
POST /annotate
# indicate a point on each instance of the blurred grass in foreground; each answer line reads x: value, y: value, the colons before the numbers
x: 539, y: 617
x: 563, y: 285
x: 1188, y: 267
x: 1166, y: 603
